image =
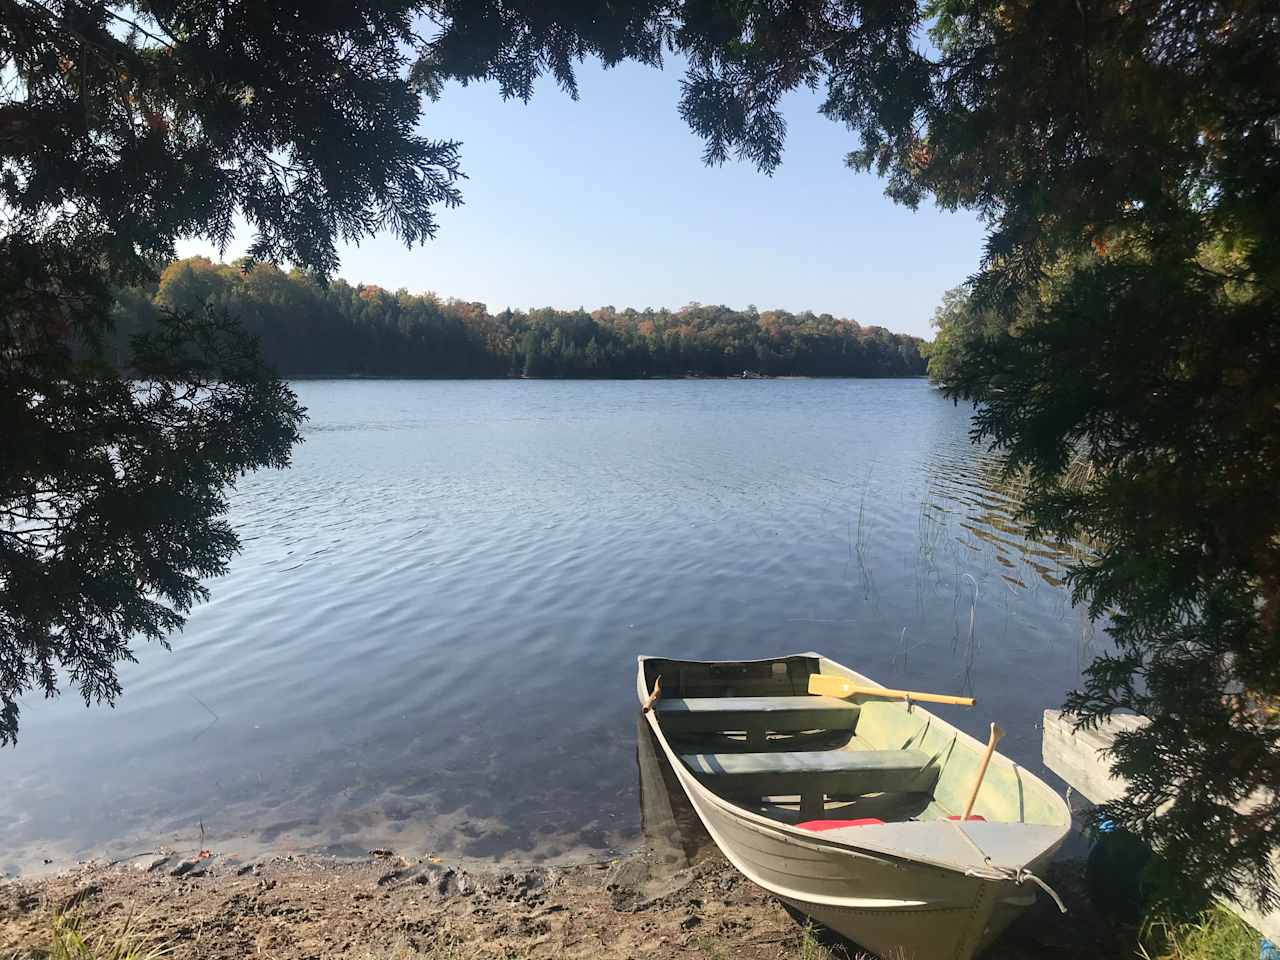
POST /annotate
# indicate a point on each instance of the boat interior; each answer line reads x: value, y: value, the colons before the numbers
x: 753, y: 734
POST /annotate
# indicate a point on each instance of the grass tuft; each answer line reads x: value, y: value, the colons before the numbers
x: 804, y: 946
x: 1216, y: 934
x: 810, y: 948
x: 67, y: 941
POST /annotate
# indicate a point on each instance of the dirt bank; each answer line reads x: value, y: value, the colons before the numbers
x: 390, y: 908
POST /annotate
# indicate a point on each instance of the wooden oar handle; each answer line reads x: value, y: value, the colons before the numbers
x: 657, y: 692
x: 996, y: 734
x: 831, y: 686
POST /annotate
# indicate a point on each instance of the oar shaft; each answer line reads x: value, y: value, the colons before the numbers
x: 996, y: 734
x: 653, y: 695
x: 913, y: 695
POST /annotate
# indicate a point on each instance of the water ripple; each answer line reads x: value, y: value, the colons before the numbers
x: 428, y: 641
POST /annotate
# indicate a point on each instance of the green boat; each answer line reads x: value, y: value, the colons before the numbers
x: 849, y: 807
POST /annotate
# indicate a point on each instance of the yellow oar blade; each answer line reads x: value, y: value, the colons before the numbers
x: 828, y: 686
x: 825, y: 686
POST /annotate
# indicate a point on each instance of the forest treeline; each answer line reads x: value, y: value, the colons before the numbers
x: 310, y: 329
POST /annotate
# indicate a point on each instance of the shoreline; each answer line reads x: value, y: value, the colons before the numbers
x: 387, y: 906
x: 40, y: 860
x: 396, y: 908
x: 671, y: 896
x: 307, y: 377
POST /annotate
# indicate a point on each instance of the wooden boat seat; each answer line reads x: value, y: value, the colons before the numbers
x: 755, y: 715
x: 814, y: 775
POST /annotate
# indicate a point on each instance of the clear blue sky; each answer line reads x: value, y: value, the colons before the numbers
x: 606, y: 201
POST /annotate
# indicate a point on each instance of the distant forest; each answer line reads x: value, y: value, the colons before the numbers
x: 310, y: 329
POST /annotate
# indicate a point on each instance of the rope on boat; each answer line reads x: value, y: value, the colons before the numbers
x: 1025, y: 874
x: 1018, y: 876
x: 993, y: 872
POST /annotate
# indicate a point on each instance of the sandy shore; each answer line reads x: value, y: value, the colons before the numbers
x: 674, y: 897
x: 391, y: 908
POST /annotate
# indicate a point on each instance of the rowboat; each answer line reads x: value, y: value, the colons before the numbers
x: 849, y: 808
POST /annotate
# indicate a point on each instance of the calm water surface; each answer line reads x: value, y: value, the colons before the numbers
x: 429, y: 640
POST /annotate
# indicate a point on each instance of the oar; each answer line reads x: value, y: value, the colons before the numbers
x: 657, y: 691
x: 829, y: 686
x: 996, y: 734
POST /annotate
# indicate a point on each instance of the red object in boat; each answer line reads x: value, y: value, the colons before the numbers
x: 819, y: 825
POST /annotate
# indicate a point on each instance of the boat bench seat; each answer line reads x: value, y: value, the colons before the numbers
x: 815, y: 775
x: 755, y: 715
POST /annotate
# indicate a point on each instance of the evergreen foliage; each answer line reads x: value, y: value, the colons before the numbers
x: 122, y: 127
x: 961, y: 328
x: 1127, y: 318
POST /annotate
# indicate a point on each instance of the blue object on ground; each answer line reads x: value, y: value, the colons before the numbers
x: 1268, y: 950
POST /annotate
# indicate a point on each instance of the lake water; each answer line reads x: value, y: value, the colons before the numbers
x: 429, y: 640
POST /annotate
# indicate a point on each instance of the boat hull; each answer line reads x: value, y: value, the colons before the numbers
x: 894, y: 905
